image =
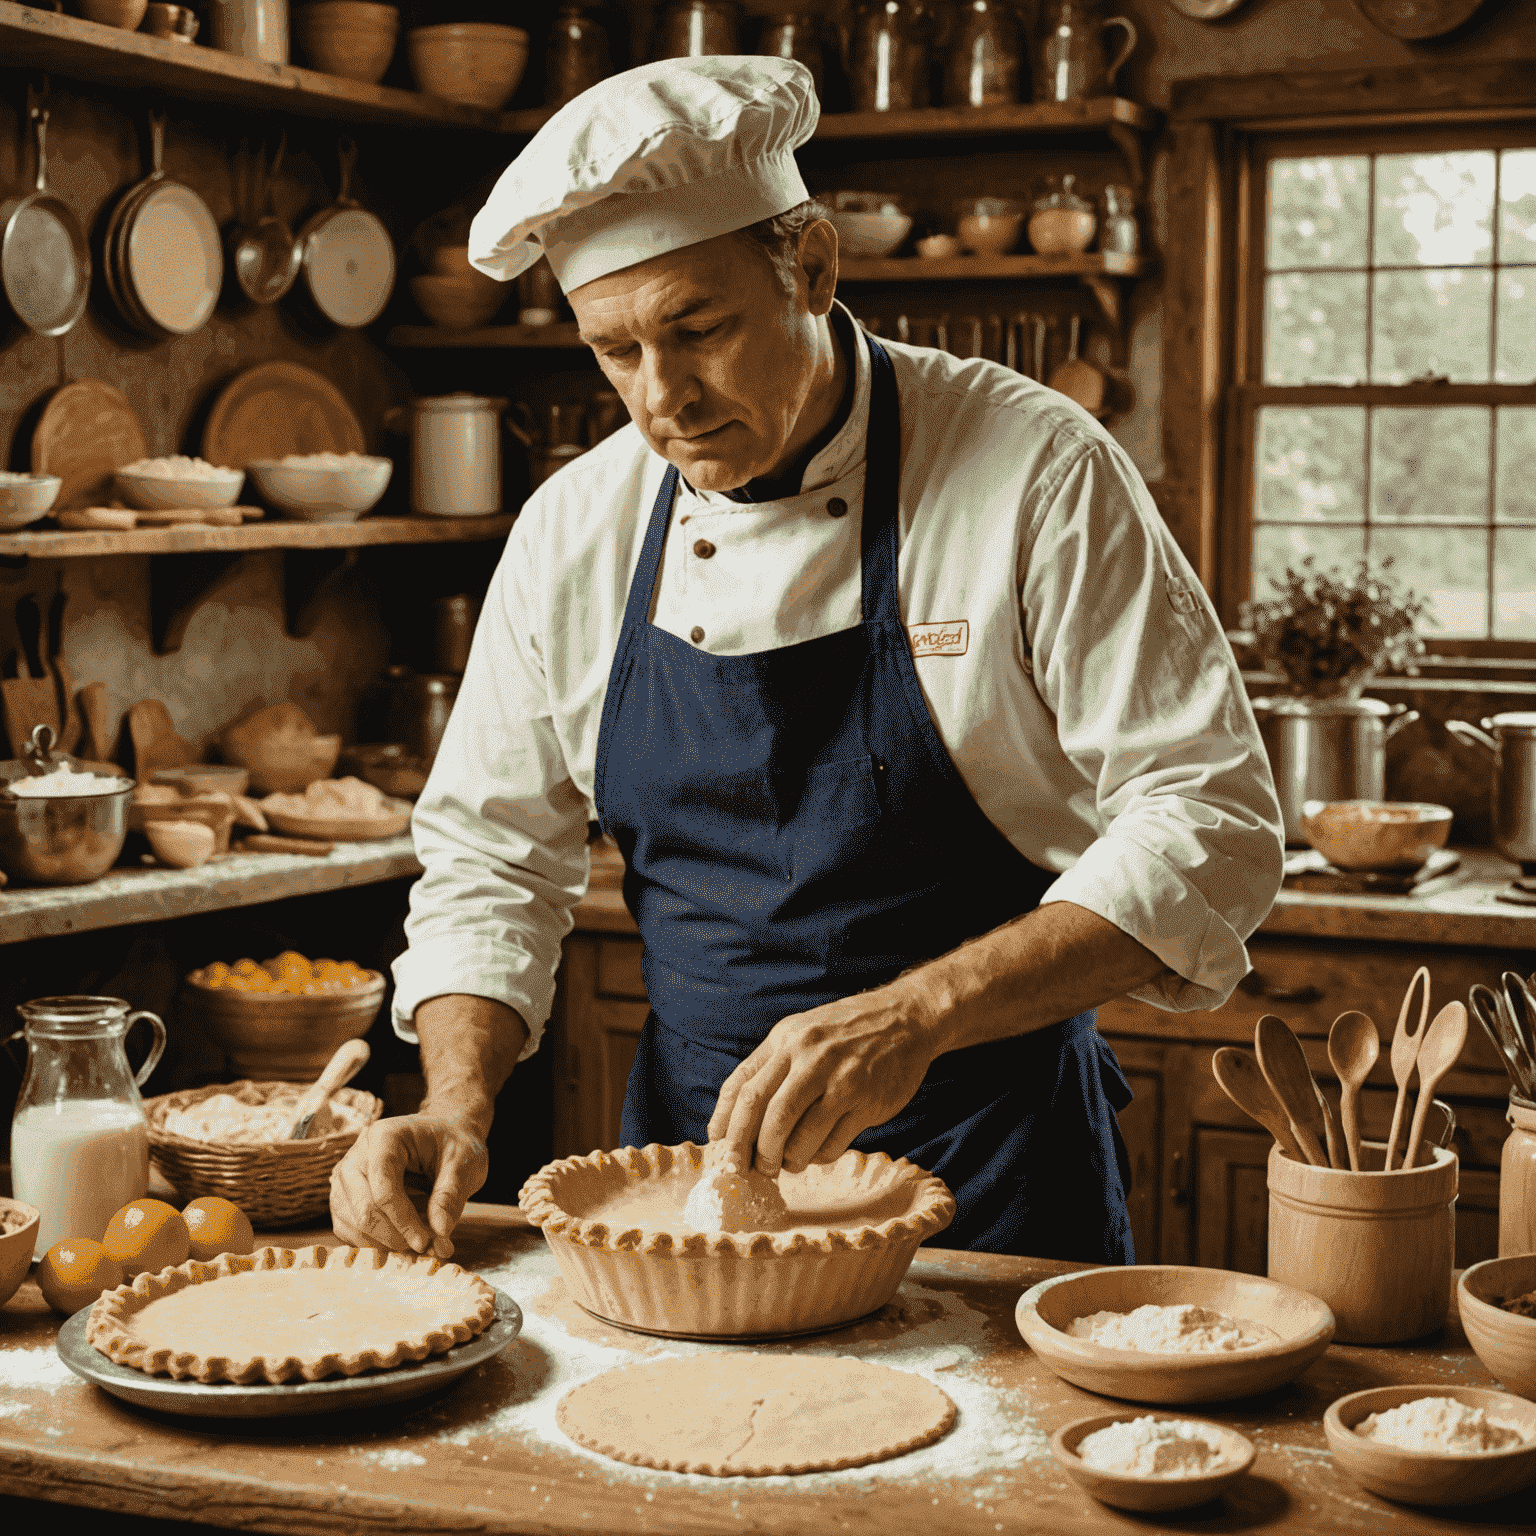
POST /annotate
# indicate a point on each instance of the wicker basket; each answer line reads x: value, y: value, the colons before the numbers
x: 276, y: 1184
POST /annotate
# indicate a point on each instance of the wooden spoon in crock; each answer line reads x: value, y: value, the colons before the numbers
x: 1243, y: 1083
x: 1405, y: 1056
x: 1285, y: 1069
x: 1442, y: 1046
x: 1353, y: 1047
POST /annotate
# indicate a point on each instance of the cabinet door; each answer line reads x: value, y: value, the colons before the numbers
x: 1232, y: 1200
x: 1141, y: 1123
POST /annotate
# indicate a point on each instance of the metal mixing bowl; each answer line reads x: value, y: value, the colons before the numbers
x: 62, y: 839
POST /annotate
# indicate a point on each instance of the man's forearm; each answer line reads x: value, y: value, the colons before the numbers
x: 1044, y: 967
x: 469, y: 1046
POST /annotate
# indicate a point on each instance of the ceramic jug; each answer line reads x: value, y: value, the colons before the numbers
x: 80, y: 1139
x: 255, y: 29
x: 1072, y: 51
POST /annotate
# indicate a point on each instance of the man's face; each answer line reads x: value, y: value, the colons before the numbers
x: 712, y: 357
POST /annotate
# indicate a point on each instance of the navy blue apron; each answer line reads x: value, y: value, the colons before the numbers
x: 793, y: 832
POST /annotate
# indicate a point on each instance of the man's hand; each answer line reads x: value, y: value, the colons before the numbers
x: 369, y: 1204
x: 823, y: 1077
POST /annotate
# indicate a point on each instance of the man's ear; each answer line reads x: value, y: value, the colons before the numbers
x: 818, y: 265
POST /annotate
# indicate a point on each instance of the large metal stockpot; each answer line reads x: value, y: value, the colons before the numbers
x: 1327, y: 749
x: 1510, y: 740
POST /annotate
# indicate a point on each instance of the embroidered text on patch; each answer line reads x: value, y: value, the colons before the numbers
x: 951, y: 638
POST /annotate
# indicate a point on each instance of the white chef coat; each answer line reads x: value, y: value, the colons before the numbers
x: 1073, y: 666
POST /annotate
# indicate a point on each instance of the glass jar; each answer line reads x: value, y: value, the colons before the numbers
x: 1061, y: 222
x: 1118, y: 230
x: 80, y: 1138
x: 577, y: 56
x: 982, y: 65
x: 793, y: 35
x: 889, y: 65
x: 692, y: 29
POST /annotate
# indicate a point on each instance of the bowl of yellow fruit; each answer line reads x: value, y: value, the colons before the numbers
x: 282, y: 1019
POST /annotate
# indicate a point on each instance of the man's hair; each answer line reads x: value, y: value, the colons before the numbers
x: 779, y: 237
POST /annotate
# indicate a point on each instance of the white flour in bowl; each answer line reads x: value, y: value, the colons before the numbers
x: 65, y: 781
x: 1442, y: 1426
x: 180, y: 467
x: 1149, y: 1447
x: 1181, y: 1330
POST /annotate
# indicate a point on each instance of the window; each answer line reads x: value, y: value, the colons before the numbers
x: 1386, y: 399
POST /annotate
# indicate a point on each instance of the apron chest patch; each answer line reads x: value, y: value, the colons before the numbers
x: 951, y: 638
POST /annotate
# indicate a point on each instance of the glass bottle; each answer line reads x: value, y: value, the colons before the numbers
x: 80, y: 1138
x: 889, y: 67
x: 792, y: 35
x: 692, y: 29
x: 577, y: 56
x: 1118, y: 230
x: 982, y: 64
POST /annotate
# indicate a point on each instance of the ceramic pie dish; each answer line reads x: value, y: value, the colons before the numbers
x: 290, y: 1314
x: 613, y: 1222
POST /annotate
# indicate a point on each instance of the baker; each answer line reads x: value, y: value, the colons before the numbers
x: 914, y: 727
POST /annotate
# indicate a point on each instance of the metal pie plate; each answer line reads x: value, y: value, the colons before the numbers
x: 336, y: 1394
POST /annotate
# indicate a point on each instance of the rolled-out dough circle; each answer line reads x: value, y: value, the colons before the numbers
x: 752, y: 1415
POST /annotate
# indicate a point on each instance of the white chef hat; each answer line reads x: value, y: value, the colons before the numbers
x: 650, y: 161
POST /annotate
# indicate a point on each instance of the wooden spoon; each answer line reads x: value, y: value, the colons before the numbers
x: 1405, y: 1056
x: 339, y: 1071
x: 1353, y: 1047
x: 1243, y: 1083
x: 1442, y: 1046
x: 1285, y: 1069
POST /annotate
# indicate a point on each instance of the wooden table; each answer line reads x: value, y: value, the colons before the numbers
x: 475, y: 1458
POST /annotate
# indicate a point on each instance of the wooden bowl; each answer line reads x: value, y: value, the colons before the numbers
x: 476, y: 64
x: 460, y: 303
x: 16, y: 1247
x: 205, y: 778
x: 343, y: 829
x: 280, y: 748
x: 272, y: 1036
x: 126, y: 14
x: 1047, y: 1310
x: 352, y: 39
x: 1394, y: 836
x: 1418, y: 1477
x: 1148, y: 1495
x: 1503, y: 1341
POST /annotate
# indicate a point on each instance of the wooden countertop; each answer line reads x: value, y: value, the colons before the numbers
x: 485, y: 1455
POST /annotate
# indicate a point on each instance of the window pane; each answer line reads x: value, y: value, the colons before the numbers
x: 1449, y: 566
x: 1516, y: 360
x: 1517, y: 205
x: 1433, y: 210
x: 1274, y: 548
x: 1310, y: 464
x: 1514, y: 584
x: 1314, y: 328
x: 1515, y: 484
x: 1430, y: 465
x: 1317, y: 211
x: 1431, y: 322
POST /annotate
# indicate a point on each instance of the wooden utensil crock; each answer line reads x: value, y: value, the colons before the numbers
x: 1517, y: 1181
x: 1377, y: 1247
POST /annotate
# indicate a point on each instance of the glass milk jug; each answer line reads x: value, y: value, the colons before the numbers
x: 80, y: 1139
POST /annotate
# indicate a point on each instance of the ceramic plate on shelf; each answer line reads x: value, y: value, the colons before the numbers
x: 86, y: 433
x: 275, y: 409
x: 349, y: 265
x: 1415, y: 19
x: 173, y: 259
x: 1206, y: 10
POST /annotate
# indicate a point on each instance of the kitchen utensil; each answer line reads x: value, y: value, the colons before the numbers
x: 71, y: 726
x: 45, y: 262
x: 1038, y: 360
x: 19, y: 1224
x: 30, y: 698
x: 92, y: 701
x: 1071, y: 64
x: 984, y: 62
x: 1510, y: 740
x: 316, y: 494
x: 1205, y: 10
x: 453, y: 629
x: 149, y: 492
x: 539, y: 299
x: 1151, y: 1494
x: 1405, y: 1055
x: 394, y: 819
x: 348, y: 258
x: 155, y: 742
x: 266, y: 257
x: 126, y: 14
x: 26, y: 499
x: 473, y: 63
x: 281, y: 748
x: 175, y: 23
x: 276, y: 409
x: 1520, y: 1010
x: 577, y: 55
x: 1076, y: 378
x: 967, y: 338
x: 351, y: 39
x: 181, y: 843
x: 85, y: 433
x: 455, y: 454
x: 690, y: 29
x: 1061, y: 223
x: 1118, y: 230
x: 868, y: 223
x: 888, y: 57
x: 989, y: 226
x: 1376, y: 835
x: 1441, y: 1049
x: 1243, y: 1083
x: 1353, y: 1047
x: 1417, y: 19
x: 254, y: 29
x: 1329, y: 750
x: 64, y: 839
x: 1013, y: 345
x: 339, y: 1071
x: 387, y: 765
x: 204, y: 778
x: 1046, y: 1312
x: 1286, y: 1071
x: 1337, y: 1153
x: 270, y: 842
x: 1504, y: 1341
x: 1489, y: 1009
x: 1440, y: 1134
x: 460, y: 303
x: 418, y: 709
x: 1517, y: 1179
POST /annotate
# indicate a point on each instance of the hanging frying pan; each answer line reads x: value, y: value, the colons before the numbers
x: 45, y: 263
x: 265, y: 255
x: 112, y: 245
x: 349, y: 260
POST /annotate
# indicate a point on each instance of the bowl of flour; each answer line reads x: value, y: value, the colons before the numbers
x: 1173, y: 1333
x: 1151, y: 1462
x: 1435, y: 1444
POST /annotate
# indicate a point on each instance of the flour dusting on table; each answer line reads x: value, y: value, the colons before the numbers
x: 36, y: 1367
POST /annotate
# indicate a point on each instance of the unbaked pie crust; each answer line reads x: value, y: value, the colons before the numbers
x: 290, y: 1314
x: 612, y: 1220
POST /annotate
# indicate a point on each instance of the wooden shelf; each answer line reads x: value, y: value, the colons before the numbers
x: 86, y: 50
x: 277, y: 534
x: 561, y: 336
x: 1098, y: 115
x: 127, y: 895
x: 912, y: 269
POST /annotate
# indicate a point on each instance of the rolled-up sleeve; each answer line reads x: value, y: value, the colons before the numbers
x: 1129, y: 656
x: 500, y: 828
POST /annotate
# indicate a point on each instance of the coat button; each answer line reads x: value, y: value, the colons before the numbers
x: 696, y: 634
x: 837, y: 506
x: 703, y: 549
